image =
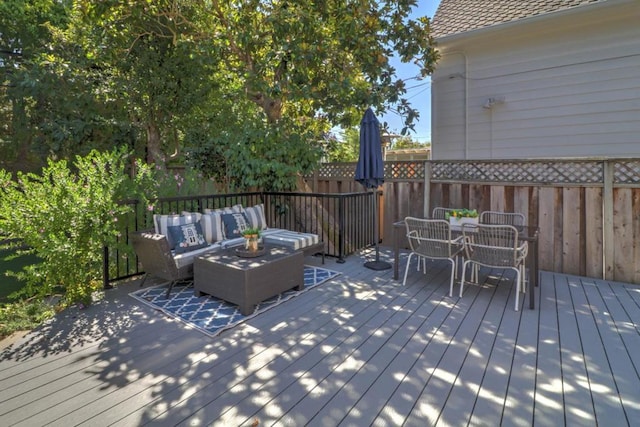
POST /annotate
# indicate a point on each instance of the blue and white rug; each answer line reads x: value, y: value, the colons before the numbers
x: 212, y: 315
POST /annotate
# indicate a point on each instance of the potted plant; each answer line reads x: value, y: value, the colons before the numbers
x: 251, y: 238
x: 457, y: 217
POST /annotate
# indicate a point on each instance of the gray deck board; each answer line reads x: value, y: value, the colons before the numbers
x: 358, y: 350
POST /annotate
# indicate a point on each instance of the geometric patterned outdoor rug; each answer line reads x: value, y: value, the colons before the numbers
x: 212, y: 315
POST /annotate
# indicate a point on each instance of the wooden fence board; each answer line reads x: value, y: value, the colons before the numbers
x: 623, y: 235
x: 497, y: 198
x: 521, y: 201
x: 571, y: 220
x: 593, y: 232
x: 546, y: 222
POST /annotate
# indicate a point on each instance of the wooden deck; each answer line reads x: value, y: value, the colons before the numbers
x: 359, y: 350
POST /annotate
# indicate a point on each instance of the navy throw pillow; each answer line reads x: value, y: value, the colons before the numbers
x: 234, y: 224
x: 188, y: 237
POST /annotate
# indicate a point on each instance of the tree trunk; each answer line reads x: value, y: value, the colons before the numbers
x: 154, y: 146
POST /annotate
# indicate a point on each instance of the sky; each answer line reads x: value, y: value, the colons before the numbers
x: 419, y: 93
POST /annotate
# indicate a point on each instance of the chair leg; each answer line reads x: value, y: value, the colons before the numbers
x: 453, y: 272
x: 406, y: 270
x: 518, y: 278
x: 173, y: 282
x: 464, y: 268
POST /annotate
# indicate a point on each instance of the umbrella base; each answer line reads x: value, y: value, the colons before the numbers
x: 377, y: 265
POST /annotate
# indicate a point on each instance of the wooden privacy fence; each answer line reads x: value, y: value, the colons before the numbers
x: 588, y: 210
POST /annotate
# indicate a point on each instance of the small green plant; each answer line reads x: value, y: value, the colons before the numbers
x: 462, y: 213
x: 251, y: 232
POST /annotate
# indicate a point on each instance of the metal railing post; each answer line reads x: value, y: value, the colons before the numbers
x: 341, y: 220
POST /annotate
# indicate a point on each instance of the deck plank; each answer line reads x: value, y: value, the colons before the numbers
x: 625, y: 374
x: 608, y: 405
x: 359, y: 350
x: 578, y: 405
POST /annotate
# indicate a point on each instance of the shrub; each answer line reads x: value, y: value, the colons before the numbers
x: 66, y: 218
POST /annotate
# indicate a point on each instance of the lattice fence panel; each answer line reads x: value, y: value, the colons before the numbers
x: 626, y: 172
x: 336, y: 170
x: 537, y: 172
x: 404, y: 170
x: 511, y: 171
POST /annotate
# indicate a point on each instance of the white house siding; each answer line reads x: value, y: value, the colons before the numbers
x: 570, y: 83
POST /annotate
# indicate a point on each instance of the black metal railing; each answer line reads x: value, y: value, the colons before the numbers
x: 343, y: 221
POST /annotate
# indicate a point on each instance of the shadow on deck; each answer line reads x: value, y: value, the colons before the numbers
x: 359, y: 350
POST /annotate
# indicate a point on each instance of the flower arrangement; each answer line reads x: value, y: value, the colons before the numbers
x: 462, y: 213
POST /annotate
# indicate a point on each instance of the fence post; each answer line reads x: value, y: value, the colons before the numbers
x: 427, y: 189
x: 105, y: 268
x: 341, y: 220
x: 315, y: 180
x: 607, y: 220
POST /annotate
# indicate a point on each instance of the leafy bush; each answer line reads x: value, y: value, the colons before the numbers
x: 66, y: 218
x: 23, y: 315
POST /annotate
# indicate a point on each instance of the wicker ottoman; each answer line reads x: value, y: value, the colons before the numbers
x: 248, y: 281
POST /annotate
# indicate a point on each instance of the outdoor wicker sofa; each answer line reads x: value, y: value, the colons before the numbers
x: 162, y: 257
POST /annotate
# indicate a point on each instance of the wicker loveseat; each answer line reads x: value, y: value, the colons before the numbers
x: 162, y: 257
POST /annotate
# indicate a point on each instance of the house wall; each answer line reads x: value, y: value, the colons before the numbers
x: 569, y: 81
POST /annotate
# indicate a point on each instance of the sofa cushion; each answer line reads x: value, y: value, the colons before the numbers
x: 212, y: 227
x: 187, y: 237
x: 291, y: 239
x: 162, y: 222
x: 234, y: 224
x: 185, y: 259
x: 256, y: 217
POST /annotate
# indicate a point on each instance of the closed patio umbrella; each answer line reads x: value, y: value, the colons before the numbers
x: 370, y: 173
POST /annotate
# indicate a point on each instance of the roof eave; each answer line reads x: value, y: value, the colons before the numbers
x: 452, y: 38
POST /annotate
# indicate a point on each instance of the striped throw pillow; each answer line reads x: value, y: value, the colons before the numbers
x: 162, y: 223
x: 256, y: 217
x: 233, y: 209
x: 212, y: 227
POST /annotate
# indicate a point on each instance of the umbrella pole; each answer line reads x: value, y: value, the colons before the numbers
x: 377, y: 264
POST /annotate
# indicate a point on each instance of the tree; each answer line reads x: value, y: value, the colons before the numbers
x: 284, y: 71
x: 248, y: 86
x: 25, y: 34
x: 406, y: 142
x: 345, y: 150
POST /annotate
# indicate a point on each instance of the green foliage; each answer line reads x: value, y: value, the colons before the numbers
x: 23, y: 315
x: 462, y: 213
x: 66, y: 218
x: 10, y: 263
x: 407, y: 142
x: 254, y: 154
x: 345, y: 150
x: 243, y: 90
x: 251, y: 232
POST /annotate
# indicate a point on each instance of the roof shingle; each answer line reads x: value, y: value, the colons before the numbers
x: 457, y: 16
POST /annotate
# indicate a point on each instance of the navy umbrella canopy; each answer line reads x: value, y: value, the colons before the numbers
x: 370, y: 167
x: 370, y: 173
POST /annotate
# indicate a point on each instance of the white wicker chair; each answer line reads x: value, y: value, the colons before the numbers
x: 506, y: 218
x: 502, y: 218
x: 494, y: 246
x: 431, y: 238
